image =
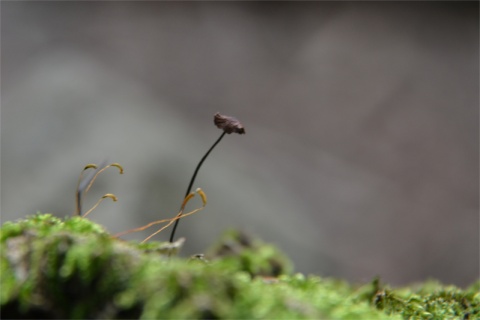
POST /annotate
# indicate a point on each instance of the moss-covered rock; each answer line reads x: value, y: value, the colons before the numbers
x: 72, y: 268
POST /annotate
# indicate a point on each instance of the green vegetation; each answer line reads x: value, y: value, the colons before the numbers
x: 73, y: 268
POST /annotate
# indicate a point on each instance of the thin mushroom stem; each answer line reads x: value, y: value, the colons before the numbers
x: 192, y: 180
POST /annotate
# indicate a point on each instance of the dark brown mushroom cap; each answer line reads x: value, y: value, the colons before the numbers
x: 228, y: 124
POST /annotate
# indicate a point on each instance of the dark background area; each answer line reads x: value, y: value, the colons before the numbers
x: 361, y: 150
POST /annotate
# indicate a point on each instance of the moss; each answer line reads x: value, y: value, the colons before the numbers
x: 243, y: 252
x: 72, y: 268
x: 430, y: 300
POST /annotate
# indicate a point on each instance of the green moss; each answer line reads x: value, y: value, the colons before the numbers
x: 249, y: 254
x: 430, y: 300
x: 47, y: 224
x: 72, y: 268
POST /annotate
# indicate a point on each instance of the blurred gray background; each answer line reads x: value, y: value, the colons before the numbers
x: 361, y: 150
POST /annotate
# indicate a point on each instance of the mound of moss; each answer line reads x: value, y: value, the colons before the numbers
x: 72, y: 268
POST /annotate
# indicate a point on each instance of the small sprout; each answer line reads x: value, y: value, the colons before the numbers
x: 90, y: 166
x: 84, y: 185
x: 81, y: 186
x: 120, y: 168
x: 108, y: 195
x: 169, y: 220
x: 187, y: 198
x: 228, y: 125
x: 203, y: 195
x: 180, y: 214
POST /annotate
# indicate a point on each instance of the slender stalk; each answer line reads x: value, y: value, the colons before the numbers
x: 192, y: 180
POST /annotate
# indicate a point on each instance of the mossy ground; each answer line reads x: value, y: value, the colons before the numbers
x: 72, y: 268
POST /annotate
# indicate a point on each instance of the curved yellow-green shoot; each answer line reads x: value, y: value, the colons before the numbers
x: 108, y: 195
